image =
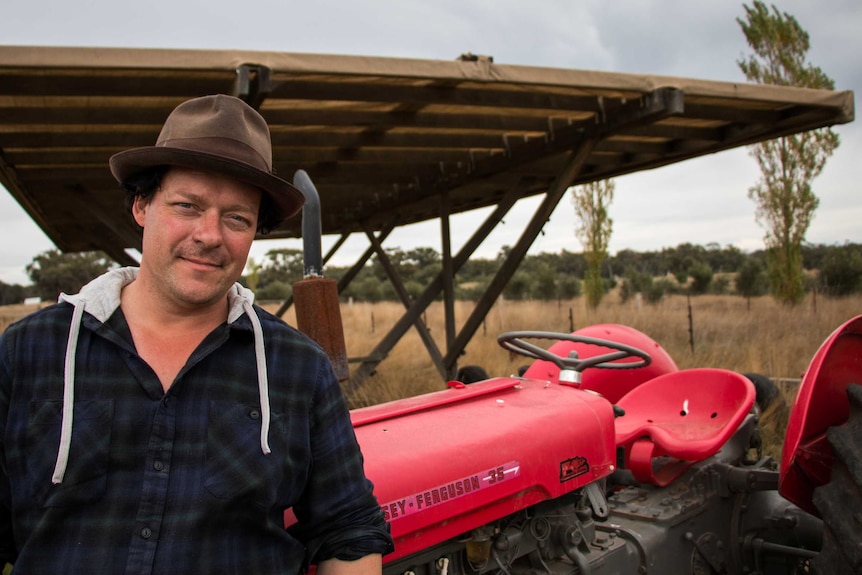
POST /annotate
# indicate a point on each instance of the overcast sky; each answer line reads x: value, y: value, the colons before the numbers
x: 698, y: 201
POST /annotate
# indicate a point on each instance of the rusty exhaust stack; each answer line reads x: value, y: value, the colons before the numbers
x: 318, y: 313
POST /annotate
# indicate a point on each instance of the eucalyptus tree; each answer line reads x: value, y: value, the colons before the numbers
x: 784, y: 196
x: 592, y: 202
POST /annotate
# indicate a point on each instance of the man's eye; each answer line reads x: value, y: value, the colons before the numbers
x: 241, y: 220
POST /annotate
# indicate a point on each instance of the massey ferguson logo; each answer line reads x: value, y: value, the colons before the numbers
x: 574, y: 467
x: 451, y: 491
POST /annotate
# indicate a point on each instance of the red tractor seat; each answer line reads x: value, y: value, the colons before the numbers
x: 683, y: 416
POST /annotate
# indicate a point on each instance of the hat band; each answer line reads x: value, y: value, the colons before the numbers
x: 226, y: 148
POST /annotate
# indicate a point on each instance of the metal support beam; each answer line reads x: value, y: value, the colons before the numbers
x: 580, y: 138
x: 334, y: 248
x: 517, y: 253
x: 354, y: 270
x: 125, y: 233
x: 385, y: 345
x: 421, y: 328
x: 448, y: 282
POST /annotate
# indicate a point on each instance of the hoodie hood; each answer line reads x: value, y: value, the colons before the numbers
x: 100, y: 298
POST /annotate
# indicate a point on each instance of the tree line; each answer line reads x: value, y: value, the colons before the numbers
x: 687, y: 268
x: 832, y: 270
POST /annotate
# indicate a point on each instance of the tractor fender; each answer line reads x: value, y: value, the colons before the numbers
x: 821, y: 402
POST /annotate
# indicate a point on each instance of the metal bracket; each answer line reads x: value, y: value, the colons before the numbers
x: 253, y: 84
x: 597, y: 500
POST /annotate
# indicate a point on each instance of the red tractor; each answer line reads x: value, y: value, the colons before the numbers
x: 605, y: 458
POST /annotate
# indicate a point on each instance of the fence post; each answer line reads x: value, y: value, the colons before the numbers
x: 690, y: 325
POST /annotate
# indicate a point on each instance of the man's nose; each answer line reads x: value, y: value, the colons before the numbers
x: 208, y: 228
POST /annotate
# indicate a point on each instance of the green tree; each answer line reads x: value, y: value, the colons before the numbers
x: 682, y: 258
x: 751, y: 280
x: 422, y: 257
x: 727, y: 259
x: 365, y: 287
x: 841, y: 271
x: 658, y: 289
x: 545, y: 282
x: 275, y: 290
x: 53, y: 271
x: 785, y: 200
x: 519, y: 286
x: 720, y: 285
x: 591, y: 202
x: 814, y: 254
x: 701, y: 277
x: 635, y: 282
x: 11, y: 293
x: 478, y: 269
x: 571, y: 264
x: 414, y: 288
x: 568, y: 287
x: 472, y: 290
x: 281, y: 266
x: 252, y: 278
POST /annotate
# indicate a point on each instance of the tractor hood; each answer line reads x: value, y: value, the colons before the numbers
x: 450, y: 461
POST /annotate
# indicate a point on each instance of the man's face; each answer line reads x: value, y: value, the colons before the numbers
x: 198, y: 229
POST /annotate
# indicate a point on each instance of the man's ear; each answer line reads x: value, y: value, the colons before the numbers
x: 139, y: 209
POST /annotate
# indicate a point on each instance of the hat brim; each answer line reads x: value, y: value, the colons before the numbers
x: 286, y: 197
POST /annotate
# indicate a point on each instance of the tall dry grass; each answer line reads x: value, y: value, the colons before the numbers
x: 11, y: 313
x: 766, y: 338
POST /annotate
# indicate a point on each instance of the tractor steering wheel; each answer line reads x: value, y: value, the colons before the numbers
x: 513, y: 341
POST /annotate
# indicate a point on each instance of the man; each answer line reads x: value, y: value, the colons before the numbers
x: 158, y: 422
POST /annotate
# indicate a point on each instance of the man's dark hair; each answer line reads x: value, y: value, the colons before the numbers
x: 144, y: 184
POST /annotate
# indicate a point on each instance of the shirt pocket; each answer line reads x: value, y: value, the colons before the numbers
x: 85, y: 479
x: 236, y: 468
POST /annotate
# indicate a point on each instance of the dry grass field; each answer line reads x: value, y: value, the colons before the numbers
x: 10, y: 313
x: 767, y: 338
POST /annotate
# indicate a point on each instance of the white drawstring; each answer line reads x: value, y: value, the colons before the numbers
x: 262, y: 380
x: 68, y: 393
x: 69, y: 382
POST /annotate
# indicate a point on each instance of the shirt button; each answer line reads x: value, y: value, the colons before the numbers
x: 158, y: 465
x: 254, y: 414
x: 146, y: 532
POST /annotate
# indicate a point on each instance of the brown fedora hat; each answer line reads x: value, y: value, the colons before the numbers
x: 220, y: 134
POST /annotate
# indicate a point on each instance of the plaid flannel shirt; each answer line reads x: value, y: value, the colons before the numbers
x: 176, y: 482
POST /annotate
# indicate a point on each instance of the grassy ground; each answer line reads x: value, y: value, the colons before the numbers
x: 726, y: 332
x: 10, y: 313
x: 767, y: 338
